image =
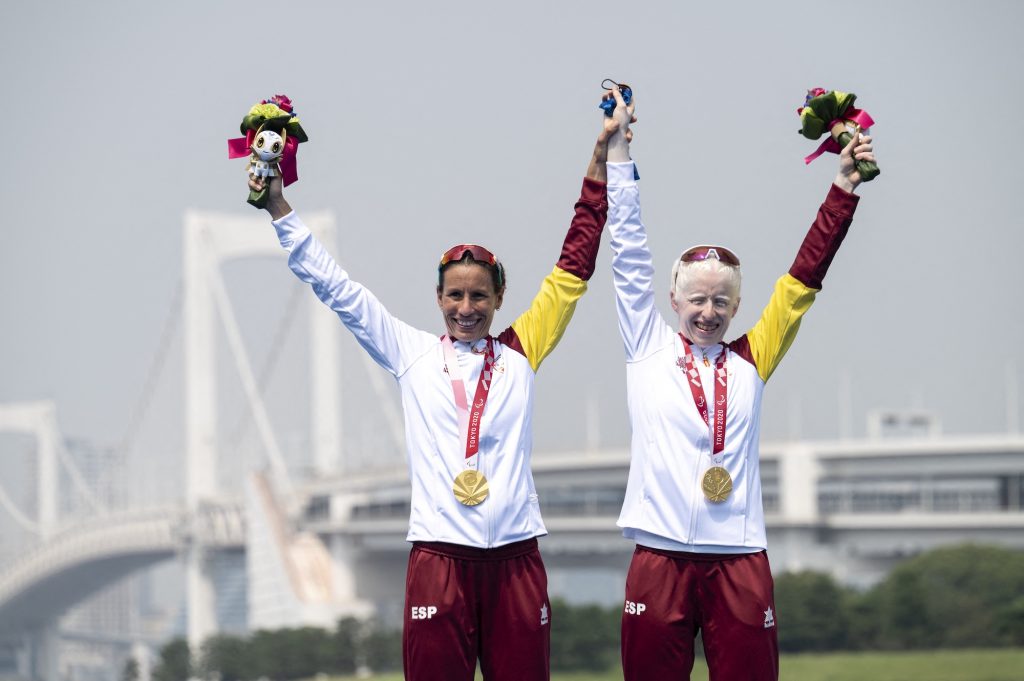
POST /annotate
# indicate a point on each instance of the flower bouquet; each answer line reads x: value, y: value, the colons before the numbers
x: 272, y: 135
x: 832, y: 112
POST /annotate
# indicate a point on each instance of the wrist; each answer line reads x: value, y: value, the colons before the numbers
x: 278, y: 208
x: 845, y: 183
x: 618, y: 149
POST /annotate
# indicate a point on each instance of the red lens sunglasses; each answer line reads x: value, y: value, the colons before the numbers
x: 477, y: 253
x: 705, y: 252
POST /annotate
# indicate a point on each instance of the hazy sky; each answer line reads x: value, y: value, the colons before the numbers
x: 434, y: 123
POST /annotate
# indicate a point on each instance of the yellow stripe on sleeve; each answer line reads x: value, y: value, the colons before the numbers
x: 773, y: 334
x: 541, y: 327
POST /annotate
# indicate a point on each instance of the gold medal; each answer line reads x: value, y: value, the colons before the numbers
x: 470, y: 487
x: 717, y: 484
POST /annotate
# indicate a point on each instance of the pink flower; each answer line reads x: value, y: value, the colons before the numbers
x: 282, y: 101
x: 811, y: 94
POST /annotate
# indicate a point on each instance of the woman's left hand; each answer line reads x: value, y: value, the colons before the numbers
x: 859, y: 149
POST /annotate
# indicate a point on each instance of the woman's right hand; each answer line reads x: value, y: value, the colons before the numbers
x: 616, y: 127
x: 277, y: 206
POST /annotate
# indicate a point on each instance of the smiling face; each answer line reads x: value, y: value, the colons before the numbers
x: 706, y: 303
x: 468, y: 300
x: 268, y: 145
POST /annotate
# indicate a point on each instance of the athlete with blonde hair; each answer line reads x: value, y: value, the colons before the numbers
x: 693, y: 497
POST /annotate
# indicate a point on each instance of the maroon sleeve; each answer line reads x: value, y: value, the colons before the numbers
x: 824, y: 237
x: 579, y: 251
x: 741, y: 346
x: 509, y: 338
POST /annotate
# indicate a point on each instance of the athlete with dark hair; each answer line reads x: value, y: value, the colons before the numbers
x: 475, y: 586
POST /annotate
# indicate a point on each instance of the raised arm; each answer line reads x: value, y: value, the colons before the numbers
x: 632, y: 267
x: 767, y: 342
x: 537, y: 331
x: 390, y: 342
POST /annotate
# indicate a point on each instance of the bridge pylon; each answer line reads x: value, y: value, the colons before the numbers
x: 211, y: 239
x: 39, y: 419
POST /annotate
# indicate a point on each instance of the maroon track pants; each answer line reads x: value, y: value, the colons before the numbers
x: 463, y: 602
x: 671, y: 595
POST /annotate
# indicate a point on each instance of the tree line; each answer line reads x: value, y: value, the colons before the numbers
x: 283, y: 654
x: 965, y: 596
x: 956, y: 597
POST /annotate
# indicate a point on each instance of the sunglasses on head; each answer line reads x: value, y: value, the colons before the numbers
x: 477, y: 253
x: 701, y: 253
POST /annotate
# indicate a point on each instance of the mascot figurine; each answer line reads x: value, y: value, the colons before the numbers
x: 267, y: 150
x: 272, y: 136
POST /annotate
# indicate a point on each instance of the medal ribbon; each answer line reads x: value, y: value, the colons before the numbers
x: 469, y: 420
x: 721, y: 397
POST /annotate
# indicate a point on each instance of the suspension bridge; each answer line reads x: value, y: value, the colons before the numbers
x: 330, y: 543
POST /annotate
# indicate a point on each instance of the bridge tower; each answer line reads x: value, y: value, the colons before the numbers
x: 38, y: 419
x: 210, y: 239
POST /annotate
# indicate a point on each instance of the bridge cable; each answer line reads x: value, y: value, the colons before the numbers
x: 155, y: 371
x: 385, y: 396
x: 23, y: 520
x: 270, y: 364
x: 244, y: 367
x: 76, y: 474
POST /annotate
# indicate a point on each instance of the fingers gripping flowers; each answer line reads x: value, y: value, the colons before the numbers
x: 832, y: 112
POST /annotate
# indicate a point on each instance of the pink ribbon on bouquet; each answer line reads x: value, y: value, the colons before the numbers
x: 858, y: 116
x: 242, y: 146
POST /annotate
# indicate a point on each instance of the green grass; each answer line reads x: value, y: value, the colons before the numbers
x: 1006, y: 664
